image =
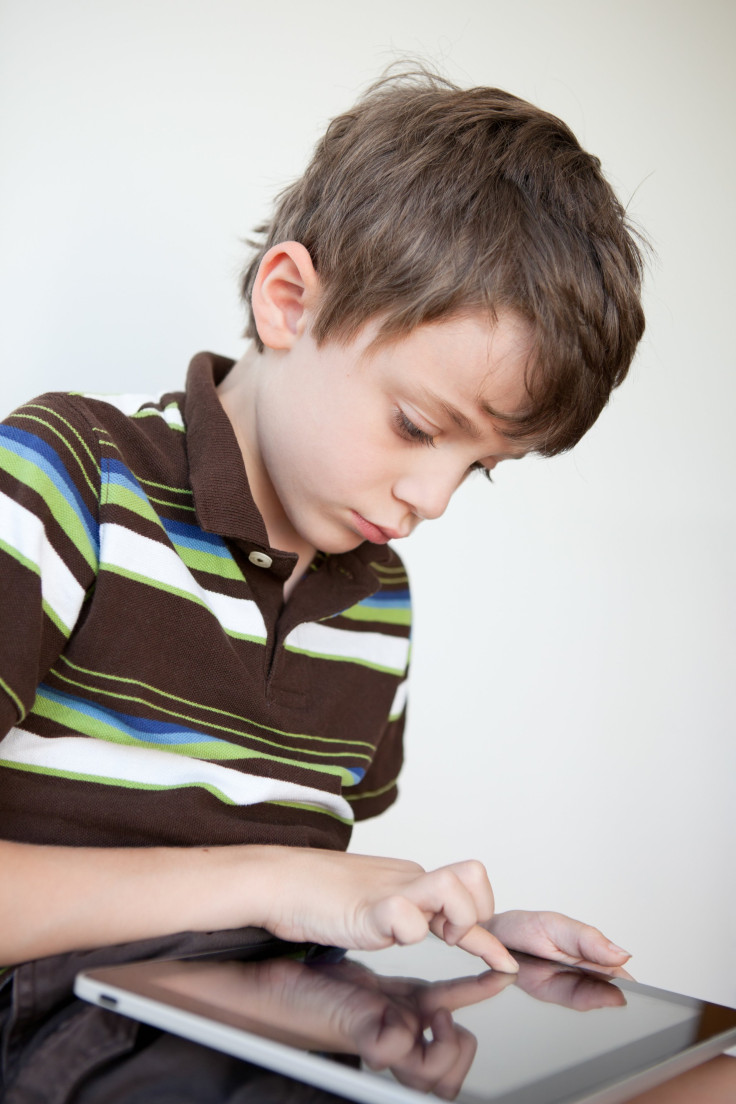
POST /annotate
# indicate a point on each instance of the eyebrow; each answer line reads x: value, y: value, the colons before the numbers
x: 464, y: 423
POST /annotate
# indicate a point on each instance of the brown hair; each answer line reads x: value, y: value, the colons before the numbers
x: 426, y: 201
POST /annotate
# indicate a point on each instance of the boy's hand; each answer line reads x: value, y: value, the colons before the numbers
x: 363, y: 902
x: 560, y: 938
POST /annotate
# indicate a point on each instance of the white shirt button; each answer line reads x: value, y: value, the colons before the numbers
x: 260, y: 559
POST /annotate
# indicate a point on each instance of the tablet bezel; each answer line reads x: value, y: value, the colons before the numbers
x: 135, y: 990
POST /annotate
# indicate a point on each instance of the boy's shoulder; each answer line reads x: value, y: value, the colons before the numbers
x: 73, y: 452
x: 150, y: 446
x: 90, y: 417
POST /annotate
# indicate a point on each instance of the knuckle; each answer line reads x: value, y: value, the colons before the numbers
x: 476, y: 872
x: 446, y: 879
x: 408, y: 868
x: 405, y: 921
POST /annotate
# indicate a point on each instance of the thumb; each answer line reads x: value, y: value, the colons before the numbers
x: 583, y: 941
x: 397, y: 920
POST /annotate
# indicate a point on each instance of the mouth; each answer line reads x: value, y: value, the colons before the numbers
x: 373, y: 533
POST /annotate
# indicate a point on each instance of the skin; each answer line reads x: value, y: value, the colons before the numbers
x: 396, y: 429
x: 387, y: 1020
x: 350, y: 456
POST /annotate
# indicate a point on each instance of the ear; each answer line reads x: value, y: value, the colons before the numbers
x: 285, y: 290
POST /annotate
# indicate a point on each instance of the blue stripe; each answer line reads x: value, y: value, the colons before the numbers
x: 392, y: 598
x: 139, y: 728
x: 151, y: 731
x: 42, y: 456
x: 115, y: 471
x: 191, y: 536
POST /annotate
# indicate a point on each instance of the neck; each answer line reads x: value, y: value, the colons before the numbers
x: 239, y: 395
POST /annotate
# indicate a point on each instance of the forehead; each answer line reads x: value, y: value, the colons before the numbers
x: 468, y: 364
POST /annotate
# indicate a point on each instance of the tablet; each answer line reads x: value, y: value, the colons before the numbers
x: 398, y: 1025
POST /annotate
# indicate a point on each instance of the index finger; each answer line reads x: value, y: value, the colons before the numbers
x: 462, y: 992
x: 480, y: 942
x: 474, y: 877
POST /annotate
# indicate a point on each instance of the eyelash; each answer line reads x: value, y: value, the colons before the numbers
x: 411, y: 432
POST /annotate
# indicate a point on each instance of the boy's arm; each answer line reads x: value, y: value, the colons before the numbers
x: 56, y: 899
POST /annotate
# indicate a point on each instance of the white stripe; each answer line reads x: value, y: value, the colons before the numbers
x: 83, y: 755
x: 25, y: 532
x: 126, y: 404
x: 375, y: 648
x: 131, y: 404
x: 120, y: 547
x: 173, y: 415
x: 399, y: 702
x: 170, y: 414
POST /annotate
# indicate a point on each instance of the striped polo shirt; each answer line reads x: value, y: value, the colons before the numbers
x: 154, y: 688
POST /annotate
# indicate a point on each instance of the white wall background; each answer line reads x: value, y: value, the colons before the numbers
x: 579, y: 736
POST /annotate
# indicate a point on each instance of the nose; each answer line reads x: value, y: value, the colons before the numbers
x: 427, y: 491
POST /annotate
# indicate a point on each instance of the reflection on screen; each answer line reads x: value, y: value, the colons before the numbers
x: 509, y: 1033
x: 525, y: 1040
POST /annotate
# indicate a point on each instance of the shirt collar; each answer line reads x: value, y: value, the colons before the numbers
x: 222, y: 497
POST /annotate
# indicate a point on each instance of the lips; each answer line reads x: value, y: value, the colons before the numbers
x: 373, y: 533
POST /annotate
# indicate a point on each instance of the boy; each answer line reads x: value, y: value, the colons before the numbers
x: 206, y: 634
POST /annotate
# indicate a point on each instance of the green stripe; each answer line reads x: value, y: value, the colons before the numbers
x: 113, y: 494
x: 76, y: 720
x: 21, y: 559
x: 165, y: 486
x: 14, y: 698
x: 51, y: 613
x: 311, y: 809
x: 26, y: 472
x: 372, y: 793
x: 171, y: 505
x: 221, y: 566
x: 346, y: 659
x: 103, y: 780
x: 210, y: 709
x: 72, y: 429
x: 391, y: 615
x: 228, y: 751
x: 64, y: 629
x: 381, y: 569
x: 150, y: 411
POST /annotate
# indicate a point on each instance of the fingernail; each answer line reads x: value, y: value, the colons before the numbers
x: 618, y: 950
x: 513, y: 966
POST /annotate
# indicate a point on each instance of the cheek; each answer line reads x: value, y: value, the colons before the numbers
x: 367, y: 453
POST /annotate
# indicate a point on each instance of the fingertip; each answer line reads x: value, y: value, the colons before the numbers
x: 505, y: 965
x: 479, y: 941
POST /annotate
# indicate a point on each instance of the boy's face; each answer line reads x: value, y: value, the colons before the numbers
x: 361, y: 444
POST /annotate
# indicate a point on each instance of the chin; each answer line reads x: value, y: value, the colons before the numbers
x: 335, y: 547
x: 337, y: 542
x: 326, y: 532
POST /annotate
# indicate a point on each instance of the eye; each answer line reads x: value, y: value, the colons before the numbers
x: 410, y: 432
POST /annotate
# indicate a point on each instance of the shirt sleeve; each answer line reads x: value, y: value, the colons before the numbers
x: 49, y: 541
x: 378, y: 788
